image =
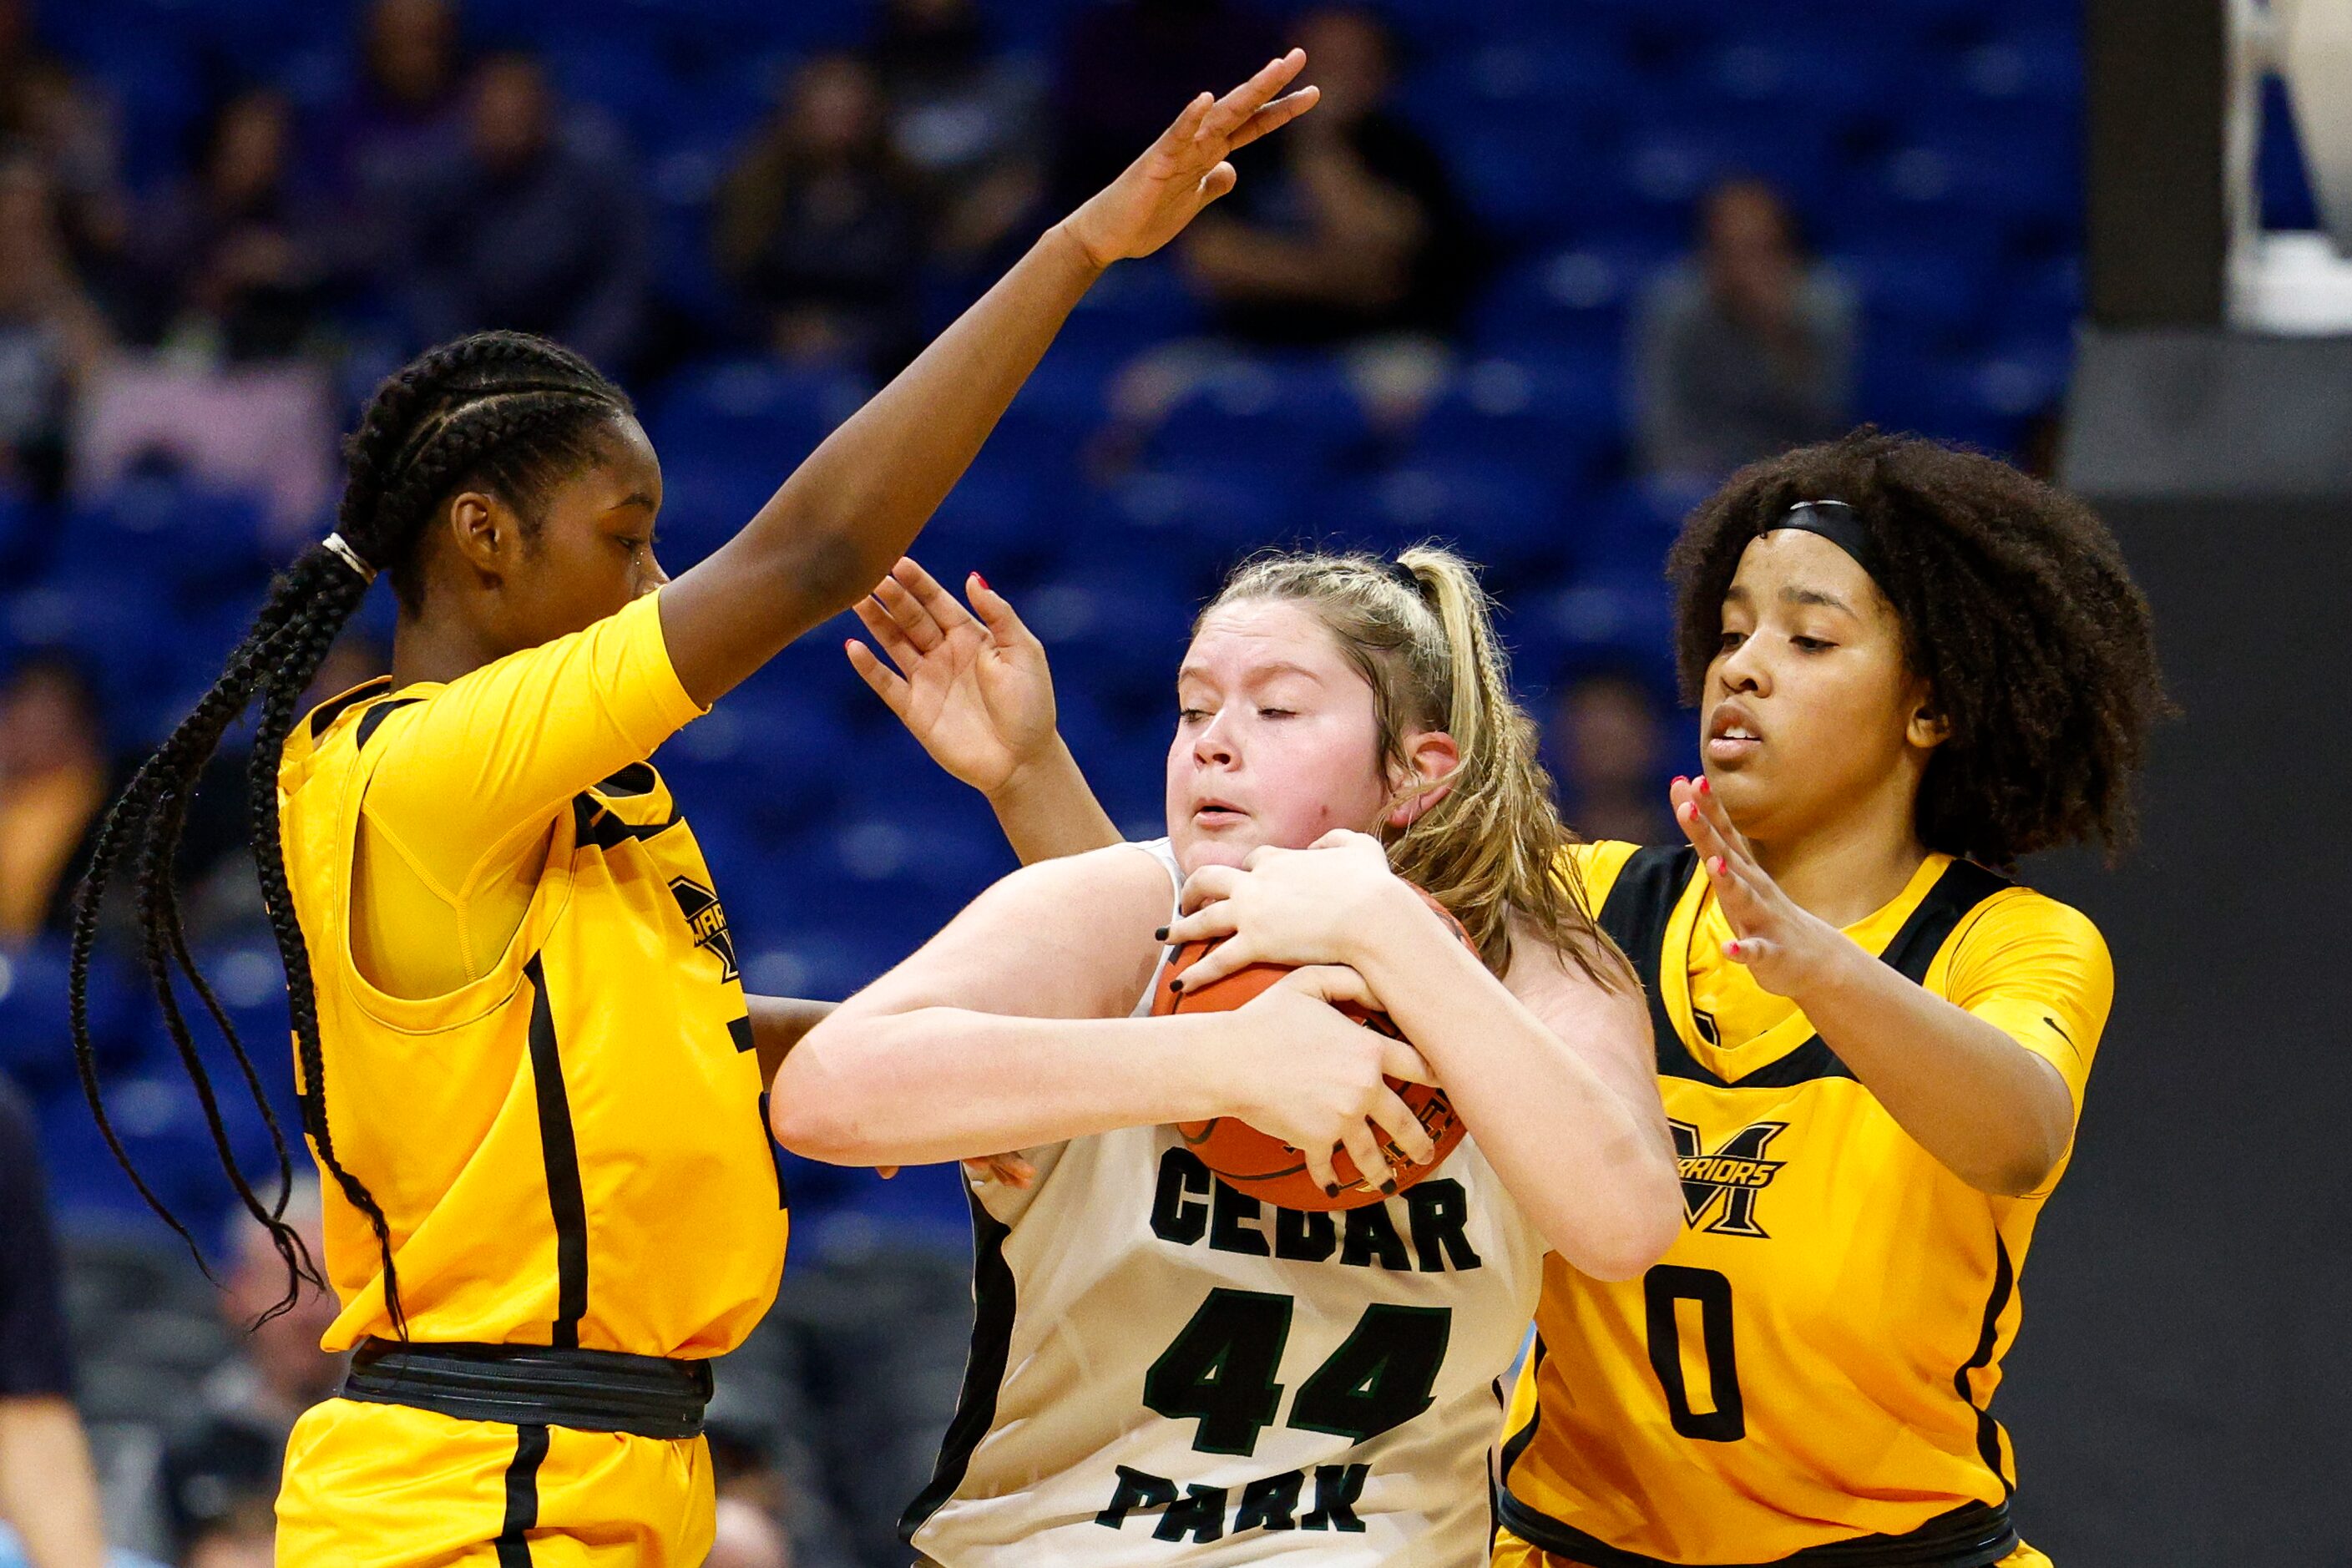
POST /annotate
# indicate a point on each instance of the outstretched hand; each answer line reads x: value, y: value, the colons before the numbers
x: 971, y: 685
x: 1780, y: 943
x: 1185, y: 170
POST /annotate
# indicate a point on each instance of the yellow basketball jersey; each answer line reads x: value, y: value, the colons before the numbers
x: 1805, y: 1376
x: 571, y: 1148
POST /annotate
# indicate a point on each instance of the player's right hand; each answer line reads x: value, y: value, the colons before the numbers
x: 1307, y: 1073
x: 971, y: 685
x: 1185, y: 170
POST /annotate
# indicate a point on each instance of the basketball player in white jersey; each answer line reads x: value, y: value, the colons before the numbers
x: 1164, y: 1371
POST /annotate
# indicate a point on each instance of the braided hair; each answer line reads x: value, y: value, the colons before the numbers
x: 502, y: 411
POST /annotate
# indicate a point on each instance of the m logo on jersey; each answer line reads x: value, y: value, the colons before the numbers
x: 707, y: 921
x: 1730, y: 1177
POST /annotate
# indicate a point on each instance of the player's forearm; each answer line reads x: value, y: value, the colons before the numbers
x: 1587, y: 1158
x: 847, y: 514
x: 1995, y: 1114
x: 1048, y: 810
x: 48, y: 1491
x: 946, y: 1083
x: 780, y: 1022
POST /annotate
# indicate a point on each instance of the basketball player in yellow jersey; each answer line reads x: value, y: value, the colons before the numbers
x: 528, y: 1065
x: 1913, y: 665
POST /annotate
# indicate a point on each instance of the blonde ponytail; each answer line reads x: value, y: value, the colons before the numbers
x: 1493, y: 844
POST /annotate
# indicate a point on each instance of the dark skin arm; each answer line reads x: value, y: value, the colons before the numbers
x: 777, y: 1024
x: 846, y: 516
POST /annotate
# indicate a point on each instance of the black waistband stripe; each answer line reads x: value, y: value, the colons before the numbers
x: 536, y: 1386
x: 1974, y: 1535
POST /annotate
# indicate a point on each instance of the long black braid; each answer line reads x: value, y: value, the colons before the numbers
x: 502, y: 411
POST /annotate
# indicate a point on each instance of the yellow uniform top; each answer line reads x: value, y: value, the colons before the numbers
x: 1811, y: 1362
x: 537, y: 1052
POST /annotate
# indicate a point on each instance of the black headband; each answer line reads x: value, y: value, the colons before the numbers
x: 1835, y: 521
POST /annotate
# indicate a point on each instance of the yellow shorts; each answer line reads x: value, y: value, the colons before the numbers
x: 384, y: 1485
x: 1510, y: 1551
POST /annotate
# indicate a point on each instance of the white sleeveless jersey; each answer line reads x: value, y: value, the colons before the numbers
x: 1164, y: 1371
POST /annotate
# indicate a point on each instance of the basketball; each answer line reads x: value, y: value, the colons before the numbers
x: 1264, y: 1166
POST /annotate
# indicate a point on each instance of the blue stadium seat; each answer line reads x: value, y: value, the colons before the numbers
x: 201, y: 541
x: 1559, y: 415
x: 750, y: 411
x: 1575, y: 302
x: 1300, y: 411
x: 1507, y: 517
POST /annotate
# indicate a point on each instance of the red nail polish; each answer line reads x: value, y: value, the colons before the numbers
x: 982, y: 581
x: 1681, y: 779
x: 1704, y: 787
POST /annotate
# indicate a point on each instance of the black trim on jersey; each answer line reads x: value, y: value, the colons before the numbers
x: 637, y: 778
x: 739, y: 1030
x: 2004, y: 1281
x: 522, y: 1497
x: 329, y: 712
x: 1640, y: 905
x: 983, y: 1372
x: 592, y: 823
x: 373, y: 719
x: 561, y: 1151
x: 1974, y: 1535
x: 1516, y: 1442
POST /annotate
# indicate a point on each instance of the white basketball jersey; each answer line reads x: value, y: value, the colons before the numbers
x: 1164, y: 1371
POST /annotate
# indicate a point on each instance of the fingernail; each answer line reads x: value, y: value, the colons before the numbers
x: 1704, y: 787
x: 1731, y: 950
x: 1330, y: 1189
x: 1690, y: 811
x: 1160, y: 935
x: 982, y: 581
x: 1388, y: 1188
x: 1682, y: 778
x: 1176, y: 985
x: 1715, y: 865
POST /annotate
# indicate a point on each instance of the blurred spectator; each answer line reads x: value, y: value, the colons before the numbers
x: 48, y: 1492
x: 220, y: 1472
x: 1357, y: 229
x: 233, y: 260
x: 1747, y: 349
x: 1609, y: 733
x: 54, y: 783
x: 747, y: 1537
x: 964, y: 117
x: 406, y: 107
x: 52, y: 337
x: 819, y: 224
x: 536, y: 220
x: 266, y: 429
x: 1127, y: 67
x: 70, y: 132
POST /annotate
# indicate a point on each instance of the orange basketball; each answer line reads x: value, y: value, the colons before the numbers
x: 1265, y: 1167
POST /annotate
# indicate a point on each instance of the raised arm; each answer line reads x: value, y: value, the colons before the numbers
x: 1990, y: 1083
x: 849, y: 513
x: 1010, y: 1030
x: 973, y: 686
x: 1552, y: 1072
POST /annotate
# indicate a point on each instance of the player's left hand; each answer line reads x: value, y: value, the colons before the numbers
x: 1782, y: 945
x: 1185, y: 170
x: 1291, y: 906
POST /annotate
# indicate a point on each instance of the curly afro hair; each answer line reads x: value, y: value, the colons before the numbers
x: 2016, y: 608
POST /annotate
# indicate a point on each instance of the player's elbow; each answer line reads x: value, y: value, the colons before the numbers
x: 1622, y: 1241
x: 2018, y: 1172
x: 813, y: 1111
